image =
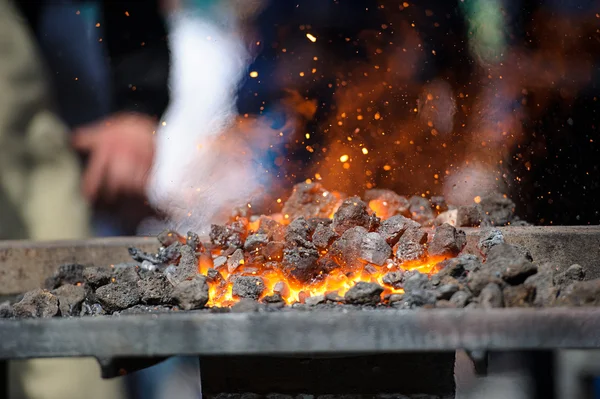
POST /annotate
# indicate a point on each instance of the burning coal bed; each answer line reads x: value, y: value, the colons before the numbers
x: 323, y: 251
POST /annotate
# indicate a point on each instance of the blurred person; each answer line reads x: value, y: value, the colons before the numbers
x: 40, y: 193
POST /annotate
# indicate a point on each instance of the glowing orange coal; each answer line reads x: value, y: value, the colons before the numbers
x: 276, y: 281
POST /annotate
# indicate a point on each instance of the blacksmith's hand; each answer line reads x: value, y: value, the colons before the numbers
x: 121, y: 151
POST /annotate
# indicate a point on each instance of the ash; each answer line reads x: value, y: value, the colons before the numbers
x: 256, y: 263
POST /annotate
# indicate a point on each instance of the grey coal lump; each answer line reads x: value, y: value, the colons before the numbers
x: 447, y: 241
x: 374, y: 249
x: 37, y: 303
x: 420, y: 210
x: 70, y: 297
x: 518, y: 296
x: 387, y: 202
x: 498, y: 208
x: 323, y: 236
x: 363, y: 293
x: 491, y: 297
x: 310, y: 200
x: 191, y: 294
x: 470, y: 216
x: 70, y: 273
x: 572, y: 274
x: 581, y: 293
x: 301, y: 263
x: 392, y: 229
x: 490, y: 238
x: 352, y: 213
x: 97, y: 276
x: 510, y: 262
x: 250, y: 287
x: 411, y: 245
x: 155, y: 289
x: 118, y: 296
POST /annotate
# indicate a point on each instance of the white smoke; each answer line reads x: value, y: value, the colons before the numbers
x: 203, y: 164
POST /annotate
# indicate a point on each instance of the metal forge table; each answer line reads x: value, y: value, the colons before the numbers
x: 362, y: 351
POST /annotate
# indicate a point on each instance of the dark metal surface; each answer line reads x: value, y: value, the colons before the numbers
x: 301, y: 333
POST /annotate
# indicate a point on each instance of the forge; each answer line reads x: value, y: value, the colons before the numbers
x: 384, y: 314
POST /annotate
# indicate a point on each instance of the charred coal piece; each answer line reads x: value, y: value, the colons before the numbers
x: 541, y: 283
x: 235, y: 260
x: 191, y: 294
x: 155, y: 289
x: 271, y: 228
x: 214, y: 277
x: 334, y: 297
x: 460, y: 299
x: 169, y: 255
x: 314, y: 300
x: 250, y: 287
x: 490, y: 238
x: 581, y: 293
x: 70, y: 273
x: 420, y: 210
x: 572, y: 274
x: 192, y: 240
x: 273, y: 251
x: 139, y: 256
x: 256, y: 242
x: 168, y: 237
x: 417, y: 281
x: 510, y: 262
x: 126, y: 273
x: 416, y: 299
x: 386, y: 203
x: 91, y: 309
x: 364, y: 294
x: 353, y: 213
x: 518, y: 296
x: 392, y: 229
x: 70, y: 297
x: 411, y: 245
x: 6, y: 311
x: 37, y: 303
x: 477, y: 281
x: 225, y: 236
x: 491, y: 297
x: 96, y: 276
x: 298, y: 234
x: 301, y: 263
x: 187, y: 267
x: 446, y: 291
x: 447, y: 241
x: 275, y: 298
x: 457, y: 267
x: 470, y: 216
x: 219, y: 262
x: 346, y: 249
x: 118, y: 296
x: 310, y: 200
x: 394, y: 279
x: 324, y: 236
x: 498, y: 208
x: 374, y: 249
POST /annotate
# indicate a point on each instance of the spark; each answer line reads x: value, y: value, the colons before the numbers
x: 254, y: 74
x: 311, y: 37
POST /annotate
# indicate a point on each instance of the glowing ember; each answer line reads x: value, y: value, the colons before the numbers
x: 320, y: 245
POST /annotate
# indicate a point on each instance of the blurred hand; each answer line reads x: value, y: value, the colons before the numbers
x: 121, y: 151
